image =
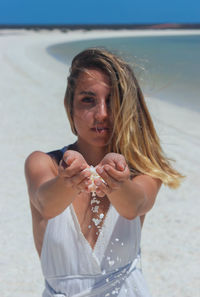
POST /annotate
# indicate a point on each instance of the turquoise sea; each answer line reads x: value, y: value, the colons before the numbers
x: 168, y: 67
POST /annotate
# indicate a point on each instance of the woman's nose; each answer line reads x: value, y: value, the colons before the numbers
x: 101, y: 111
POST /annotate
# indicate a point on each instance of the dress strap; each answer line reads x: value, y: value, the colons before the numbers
x: 57, y: 154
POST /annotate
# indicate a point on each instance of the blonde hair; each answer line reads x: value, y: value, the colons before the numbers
x: 133, y: 135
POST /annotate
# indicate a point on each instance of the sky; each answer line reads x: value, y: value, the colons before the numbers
x: 98, y: 11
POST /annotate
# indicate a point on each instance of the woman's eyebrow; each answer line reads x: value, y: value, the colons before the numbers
x: 88, y: 93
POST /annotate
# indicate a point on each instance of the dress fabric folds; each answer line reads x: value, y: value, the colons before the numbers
x: 71, y: 268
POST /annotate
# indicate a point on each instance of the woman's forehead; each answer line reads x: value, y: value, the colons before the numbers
x: 93, y: 76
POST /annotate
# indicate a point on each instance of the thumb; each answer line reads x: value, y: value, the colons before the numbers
x: 69, y: 157
x: 120, y: 166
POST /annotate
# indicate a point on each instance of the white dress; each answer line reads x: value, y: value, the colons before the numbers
x: 71, y: 268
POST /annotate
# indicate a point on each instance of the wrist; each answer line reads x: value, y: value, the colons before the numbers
x: 66, y: 184
x: 122, y: 190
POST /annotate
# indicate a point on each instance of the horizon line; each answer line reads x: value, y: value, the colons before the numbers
x: 103, y: 26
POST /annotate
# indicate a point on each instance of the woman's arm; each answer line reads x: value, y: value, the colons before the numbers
x: 131, y: 197
x: 51, y: 190
x: 135, y: 197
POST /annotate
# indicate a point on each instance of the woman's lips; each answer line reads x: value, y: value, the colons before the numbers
x: 100, y: 130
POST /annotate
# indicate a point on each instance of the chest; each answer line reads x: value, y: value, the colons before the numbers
x: 91, y: 213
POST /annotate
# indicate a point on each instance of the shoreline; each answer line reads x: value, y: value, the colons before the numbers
x: 33, y: 118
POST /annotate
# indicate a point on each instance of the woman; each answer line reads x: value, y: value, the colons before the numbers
x: 87, y: 220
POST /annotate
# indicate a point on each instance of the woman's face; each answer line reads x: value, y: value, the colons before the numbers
x: 91, y: 108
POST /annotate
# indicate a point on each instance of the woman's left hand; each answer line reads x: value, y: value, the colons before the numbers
x: 114, y: 171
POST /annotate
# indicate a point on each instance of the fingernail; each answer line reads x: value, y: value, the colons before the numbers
x: 86, y: 173
x: 100, y: 169
x: 122, y: 166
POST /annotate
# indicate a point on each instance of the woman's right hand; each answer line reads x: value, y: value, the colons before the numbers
x: 72, y: 169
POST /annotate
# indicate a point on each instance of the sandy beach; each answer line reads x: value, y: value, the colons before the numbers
x: 32, y: 85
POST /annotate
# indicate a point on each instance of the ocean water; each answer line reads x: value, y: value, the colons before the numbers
x: 167, y: 67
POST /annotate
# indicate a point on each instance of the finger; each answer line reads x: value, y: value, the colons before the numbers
x: 70, y: 157
x: 108, y: 171
x: 116, y: 174
x: 85, y: 185
x: 81, y: 180
x: 121, y: 166
x: 108, y: 182
x: 61, y: 169
x: 63, y: 164
x: 115, y: 160
x: 100, y: 193
x: 76, y: 165
x: 102, y: 189
x: 107, y: 161
x: 120, y: 162
x: 72, y: 170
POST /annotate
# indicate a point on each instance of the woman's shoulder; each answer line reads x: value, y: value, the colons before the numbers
x: 38, y: 160
x: 40, y: 156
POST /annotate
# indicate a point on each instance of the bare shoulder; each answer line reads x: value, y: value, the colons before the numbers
x: 39, y: 164
x: 38, y: 160
x: 36, y: 156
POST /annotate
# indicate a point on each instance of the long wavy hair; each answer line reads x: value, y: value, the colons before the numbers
x: 133, y: 134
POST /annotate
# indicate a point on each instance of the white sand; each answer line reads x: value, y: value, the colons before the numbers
x: 32, y: 116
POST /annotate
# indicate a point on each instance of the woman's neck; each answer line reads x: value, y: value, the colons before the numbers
x: 92, y: 155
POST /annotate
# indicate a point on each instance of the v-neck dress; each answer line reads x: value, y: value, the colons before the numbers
x: 71, y: 268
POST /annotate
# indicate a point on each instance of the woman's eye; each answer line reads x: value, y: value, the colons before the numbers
x: 87, y: 100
